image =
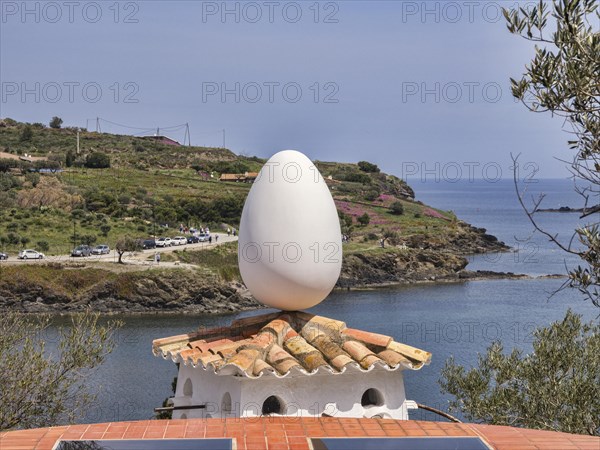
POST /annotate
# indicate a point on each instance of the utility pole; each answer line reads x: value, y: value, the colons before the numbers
x: 187, y: 133
x: 97, y: 124
x: 78, y: 141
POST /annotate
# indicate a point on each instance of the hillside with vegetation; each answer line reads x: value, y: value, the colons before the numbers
x: 53, y: 197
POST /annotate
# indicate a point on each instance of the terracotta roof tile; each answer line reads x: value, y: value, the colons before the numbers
x: 328, y: 347
x: 310, y: 358
x: 206, y: 359
x: 357, y: 350
x: 260, y: 366
x: 276, y: 343
x: 375, y: 339
x: 191, y: 354
x: 245, y: 360
x: 369, y: 361
x: 230, y: 350
x: 341, y: 361
x: 410, y: 352
x: 393, y: 358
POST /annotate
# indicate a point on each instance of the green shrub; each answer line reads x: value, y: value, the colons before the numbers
x: 366, y: 166
x: 364, y: 219
x: 105, y: 229
x: 97, y: 160
x: 357, y: 178
x: 56, y: 122
x: 371, y: 195
x: 26, y: 134
x: 42, y: 246
x: 397, y: 208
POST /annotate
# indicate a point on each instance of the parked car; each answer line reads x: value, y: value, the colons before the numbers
x: 101, y: 250
x: 148, y: 243
x: 163, y: 242
x: 179, y: 240
x: 82, y: 250
x: 203, y: 237
x: 3, y: 256
x: 193, y: 239
x: 30, y: 254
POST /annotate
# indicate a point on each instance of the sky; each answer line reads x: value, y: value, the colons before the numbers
x: 420, y: 88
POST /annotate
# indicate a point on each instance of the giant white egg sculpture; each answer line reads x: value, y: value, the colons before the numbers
x: 290, y: 248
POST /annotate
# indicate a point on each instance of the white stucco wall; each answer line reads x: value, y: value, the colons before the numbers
x: 207, y: 388
x: 336, y: 395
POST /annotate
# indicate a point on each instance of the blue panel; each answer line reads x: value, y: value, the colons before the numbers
x: 148, y: 444
x: 400, y: 443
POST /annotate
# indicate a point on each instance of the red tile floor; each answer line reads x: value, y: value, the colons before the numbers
x: 292, y: 433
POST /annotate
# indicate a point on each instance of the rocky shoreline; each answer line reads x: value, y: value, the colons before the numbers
x: 421, y: 258
x: 212, y: 298
x: 165, y: 292
x: 63, y: 289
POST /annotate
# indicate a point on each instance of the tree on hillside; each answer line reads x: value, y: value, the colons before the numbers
x: 557, y: 386
x: 366, y: 166
x: 564, y: 79
x: 39, y: 387
x: 345, y: 223
x: 26, y: 134
x: 88, y: 239
x: 97, y: 160
x: 42, y: 246
x: 364, y: 219
x: 56, y: 122
x: 69, y: 158
x: 127, y: 244
x: 105, y: 229
x: 397, y: 208
x: 6, y: 164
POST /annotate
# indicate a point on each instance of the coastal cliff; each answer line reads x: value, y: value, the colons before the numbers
x: 132, y: 292
x: 421, y: 258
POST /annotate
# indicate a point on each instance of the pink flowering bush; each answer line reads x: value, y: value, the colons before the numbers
x: 356, y: 210
x: 433, y: 213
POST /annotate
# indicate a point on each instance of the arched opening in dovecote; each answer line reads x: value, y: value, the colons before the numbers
x: 188, y: 389
x: 226, y: 403
x: 371, y: 397
x: 272, y: 405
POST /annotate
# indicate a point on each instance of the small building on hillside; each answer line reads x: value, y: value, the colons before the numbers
x: 289, y: 364
x: 246, y: 177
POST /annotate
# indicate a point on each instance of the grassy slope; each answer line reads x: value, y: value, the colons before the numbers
x: 145, y: 173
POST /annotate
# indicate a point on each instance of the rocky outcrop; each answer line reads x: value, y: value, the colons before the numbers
x: 131, y: 293
x: 422, y: 257
x: 399, y: 266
